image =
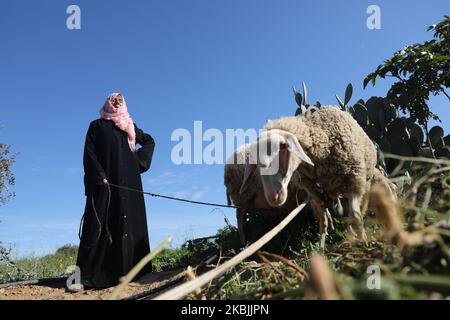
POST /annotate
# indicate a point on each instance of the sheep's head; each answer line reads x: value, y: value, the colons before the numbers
x: 276, y: 154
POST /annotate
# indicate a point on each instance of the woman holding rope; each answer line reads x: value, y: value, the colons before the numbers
x: 114, y: 234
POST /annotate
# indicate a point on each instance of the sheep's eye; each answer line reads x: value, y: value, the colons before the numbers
x: 283, y: 146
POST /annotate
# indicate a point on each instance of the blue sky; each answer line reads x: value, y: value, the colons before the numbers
x: 231, y: 64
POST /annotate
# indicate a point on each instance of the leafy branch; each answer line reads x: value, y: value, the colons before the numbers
x: 421, y: 70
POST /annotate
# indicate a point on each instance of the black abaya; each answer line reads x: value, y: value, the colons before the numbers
x: 113, y: 241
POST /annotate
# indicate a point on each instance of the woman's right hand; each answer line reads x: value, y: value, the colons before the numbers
x: 103, y: 182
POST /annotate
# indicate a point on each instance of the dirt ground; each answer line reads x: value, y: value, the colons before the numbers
x: 58, y: 291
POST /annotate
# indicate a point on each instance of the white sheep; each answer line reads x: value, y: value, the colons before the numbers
x: 328, y: 149
x: 253, y: 197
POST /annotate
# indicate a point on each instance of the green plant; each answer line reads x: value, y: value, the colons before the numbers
x: 420, y: 69
x: 392, y: 133
x: 48, y: 266
x: 7, y: 159
x: 439, y: 142
x: 302, y: 102
x: 348, y: 96
x: 397, y: 134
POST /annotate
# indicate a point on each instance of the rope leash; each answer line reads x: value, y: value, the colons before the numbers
x: 108, y: 233
x: 109, y: 184
x: 173, y: 198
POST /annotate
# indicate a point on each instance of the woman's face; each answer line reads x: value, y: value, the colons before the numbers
x: 117, y: 101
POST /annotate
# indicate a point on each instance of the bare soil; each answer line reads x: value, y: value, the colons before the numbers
x: 58, y: 291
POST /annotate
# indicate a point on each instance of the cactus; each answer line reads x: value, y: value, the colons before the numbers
x: 392, y: 133
x: 361, y: 114
x: 300, y: 100
x: 398, y: 135
x: 302, y: 103
x: 305, y: 93
x: 436, y: 135
x: 416, y: 134
x: 440, y: 144
x: 389, y: 131
x: 348, y: 96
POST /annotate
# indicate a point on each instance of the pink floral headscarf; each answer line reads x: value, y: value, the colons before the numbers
x: 121, y: 118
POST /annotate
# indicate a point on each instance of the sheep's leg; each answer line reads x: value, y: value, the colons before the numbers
x: 364, y: 204
x: 338, y: 207
x: 330, y: 219
x: 356, y: 216
x: 319, y: 208
x: 320, y: 212
x: 240, y: 217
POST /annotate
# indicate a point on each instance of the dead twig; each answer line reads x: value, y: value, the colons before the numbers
x: 274, y: 267
x: 137, y: 268
x: 417, y: 159
x: 386, y: 213
x: 190, y: 275
x: 300, y: 271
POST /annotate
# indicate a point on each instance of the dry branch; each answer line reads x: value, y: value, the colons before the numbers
x: 190, y: 276
x: 417, y: 159
x: 137, y: 268
x: 386, y: 212
x: 300, y: 271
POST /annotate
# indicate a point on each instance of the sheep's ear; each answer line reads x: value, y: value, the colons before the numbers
x: 249, y: 171
x: 295, y: 148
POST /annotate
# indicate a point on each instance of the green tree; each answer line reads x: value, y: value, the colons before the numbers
x: 7, y: 159
x: 420, y: 69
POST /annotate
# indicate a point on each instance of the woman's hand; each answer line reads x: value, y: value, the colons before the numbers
x: 103, y: 182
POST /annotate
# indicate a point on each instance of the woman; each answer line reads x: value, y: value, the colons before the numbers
x: 114, y: 234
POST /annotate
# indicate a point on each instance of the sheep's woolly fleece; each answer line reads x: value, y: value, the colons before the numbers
x: 344, y: 157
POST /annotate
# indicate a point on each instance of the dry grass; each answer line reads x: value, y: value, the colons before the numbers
x: 408, y: 240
